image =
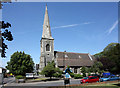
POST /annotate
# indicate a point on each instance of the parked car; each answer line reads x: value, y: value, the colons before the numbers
x: 96, y: 75
x: 106, y: 74
x: 89, y: 79
x: 109, y: 78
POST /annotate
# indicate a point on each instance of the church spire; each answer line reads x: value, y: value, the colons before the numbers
x: 46, y: 26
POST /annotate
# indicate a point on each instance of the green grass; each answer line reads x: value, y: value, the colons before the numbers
x: 111, y: 85
x: 40, y: 79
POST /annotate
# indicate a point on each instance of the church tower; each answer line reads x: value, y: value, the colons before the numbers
x: 47, y: 43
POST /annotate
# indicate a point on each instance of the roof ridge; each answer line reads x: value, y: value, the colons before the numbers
x: 71, y: 52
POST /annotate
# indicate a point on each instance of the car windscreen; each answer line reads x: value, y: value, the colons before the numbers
x: 105, y: 76
x: 85, y: 78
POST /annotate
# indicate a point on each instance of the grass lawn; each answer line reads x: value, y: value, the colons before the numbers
x: 108, y: 84
x: 36, y: 80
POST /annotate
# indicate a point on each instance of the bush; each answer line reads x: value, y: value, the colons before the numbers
x: 84, y: 75
x: 20, y: 77
x: 71, y: 74
x: 57, y: 75
x: 77, y: 76
x: 89, y: 74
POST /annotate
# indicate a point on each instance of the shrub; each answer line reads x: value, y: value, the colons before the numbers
x: 89, y: 74
x: 20, y: 77
x: 57, y: 75
x: 77, y: 76
x: 71, y: 74
x: 84, y: 75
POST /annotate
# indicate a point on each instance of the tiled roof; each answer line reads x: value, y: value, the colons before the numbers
x: 74, y: 59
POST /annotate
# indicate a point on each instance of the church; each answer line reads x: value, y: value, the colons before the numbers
x: 61, y: 59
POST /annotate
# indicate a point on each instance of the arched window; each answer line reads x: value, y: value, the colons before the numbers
x: 47, y: 47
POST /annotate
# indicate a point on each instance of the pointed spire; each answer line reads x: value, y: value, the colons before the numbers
x: 46, y: 26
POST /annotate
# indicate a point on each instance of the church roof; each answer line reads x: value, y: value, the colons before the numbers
x: 74, y: 59
x: 46, y: 26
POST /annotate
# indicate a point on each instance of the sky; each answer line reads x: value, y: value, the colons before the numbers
x: 81, y: 27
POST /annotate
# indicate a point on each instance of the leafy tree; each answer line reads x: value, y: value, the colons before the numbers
x: 58, y: 73
x: 96, y: 67
x: 107, y: 63
x: 110, y: 58
x: 51, y: 71
x: 20, y: 63
x: 84, y: 70
x: 6, y: 34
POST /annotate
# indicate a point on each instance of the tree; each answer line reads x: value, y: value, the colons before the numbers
x: 20, y: 63
x: 107, y: 63
x: 110, y: 58
x: 96, y: 67
x: 51, y: 71
x: 84, y: 70
x: 5, y: 35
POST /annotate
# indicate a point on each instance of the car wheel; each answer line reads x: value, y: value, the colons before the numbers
x: 101, y: 80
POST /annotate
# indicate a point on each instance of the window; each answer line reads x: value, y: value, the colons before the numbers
x: 47, y: 47
x: 75, y: 70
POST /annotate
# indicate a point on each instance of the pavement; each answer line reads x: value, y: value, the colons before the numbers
x: 43, y: 83
x: 10, y: 83
x: 7, y: 81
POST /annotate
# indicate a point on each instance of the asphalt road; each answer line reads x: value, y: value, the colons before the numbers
x: 47, y: 83
x: 9, y: 80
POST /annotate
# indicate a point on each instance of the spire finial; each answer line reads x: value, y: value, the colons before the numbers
x: 46, y: 6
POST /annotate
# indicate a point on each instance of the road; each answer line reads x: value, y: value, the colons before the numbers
x: 9, y: 80
x: 47, y: 83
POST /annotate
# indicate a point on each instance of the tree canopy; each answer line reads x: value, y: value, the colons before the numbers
x: 51, y: 71
x: 96, y: 67
x: 20, y: 63
x: 110, y: 58
x: 5, y: 35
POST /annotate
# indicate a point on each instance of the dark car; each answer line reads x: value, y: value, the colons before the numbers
x: 96, y: 75
x: 89, y: 79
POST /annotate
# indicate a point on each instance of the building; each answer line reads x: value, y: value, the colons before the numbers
x: 2, y: 74
x: 62, y: 59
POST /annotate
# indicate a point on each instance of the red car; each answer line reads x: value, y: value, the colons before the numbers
x: 89, y: 79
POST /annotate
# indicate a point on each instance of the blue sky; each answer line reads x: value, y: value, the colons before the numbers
x: 76, y: 27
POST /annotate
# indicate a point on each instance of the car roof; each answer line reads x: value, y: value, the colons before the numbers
x: 91, y: 76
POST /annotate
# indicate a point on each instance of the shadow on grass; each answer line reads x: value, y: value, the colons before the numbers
x: 55, y: 79
x: 118, y: 84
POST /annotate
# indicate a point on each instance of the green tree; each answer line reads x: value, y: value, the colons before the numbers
x: 20, y: 63
x: 6, y: 34
x: 96, y: 67
x: 51, y: 71
x: 110, y: 58
x: 84, y: 70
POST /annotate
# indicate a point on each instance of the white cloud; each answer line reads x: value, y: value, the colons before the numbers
x: 72, y: 25
x: 113, y: 27
x: 65, y: 26
x: 87, y: 22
